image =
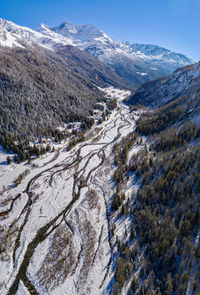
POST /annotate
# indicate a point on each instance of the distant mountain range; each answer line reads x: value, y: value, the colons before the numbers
x: 134, y: 63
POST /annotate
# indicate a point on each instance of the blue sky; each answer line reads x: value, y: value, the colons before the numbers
x: 174, y: 24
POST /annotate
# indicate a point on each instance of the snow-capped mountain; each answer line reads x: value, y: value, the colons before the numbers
x: 15, y: 36
x: 42, y: 75
x: 84, y: 33
x: 136, y: 63
x: 12, y: 35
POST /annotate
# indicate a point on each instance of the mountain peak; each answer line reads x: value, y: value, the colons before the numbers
x: 136, y: 63
x: 68, y: 27
x: 43, y: 26
x: 139, y: 63
x: 13, y: 35
x: 85, y: 32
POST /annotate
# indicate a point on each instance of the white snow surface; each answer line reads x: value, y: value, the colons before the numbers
x: 12, y: 35
x: 89, y: 38
x: 51, y: 184
x: 141, y: 74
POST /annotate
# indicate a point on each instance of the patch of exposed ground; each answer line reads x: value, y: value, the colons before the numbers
x: 89, y: 241
x: 59, y: 261
x: 7, y: 238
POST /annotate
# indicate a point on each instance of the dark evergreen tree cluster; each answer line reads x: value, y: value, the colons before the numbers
x: 45, y: 90
x: 158, y: 120
x: 166, y: 210
x: 111, y: 104
x: 167, y: 216
x: 87, y: 123
x: 22, y: 149
x: 176, y: 138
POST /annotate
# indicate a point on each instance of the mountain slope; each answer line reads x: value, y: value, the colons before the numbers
x: 13, y: 36
x: 182, y: 86
x: 89, y: 67
x: 38, y: 90
x: 157, y: 179
x: 160, y: 253
x: 135, y: 63
x: 44, y: 82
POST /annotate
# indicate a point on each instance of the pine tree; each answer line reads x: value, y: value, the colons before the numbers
x: 8, y: 160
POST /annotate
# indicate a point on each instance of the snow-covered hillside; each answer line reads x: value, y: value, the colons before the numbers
x: 137, y: 63
x: 91, y: 39
x: 185, y: 82
x: 12, y: 35
x: 134, y: 63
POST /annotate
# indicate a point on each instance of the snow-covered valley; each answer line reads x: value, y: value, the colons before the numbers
x: 56, y: 224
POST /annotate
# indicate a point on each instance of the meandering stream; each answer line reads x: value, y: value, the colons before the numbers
x: 81, y: 163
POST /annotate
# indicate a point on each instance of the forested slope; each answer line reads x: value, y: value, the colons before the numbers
x: 161, y: 250
x: 40, y: 90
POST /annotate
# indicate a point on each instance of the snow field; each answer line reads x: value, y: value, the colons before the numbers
x: 87, y: 220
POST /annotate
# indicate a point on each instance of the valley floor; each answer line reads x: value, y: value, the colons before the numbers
x: 55, y: 226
